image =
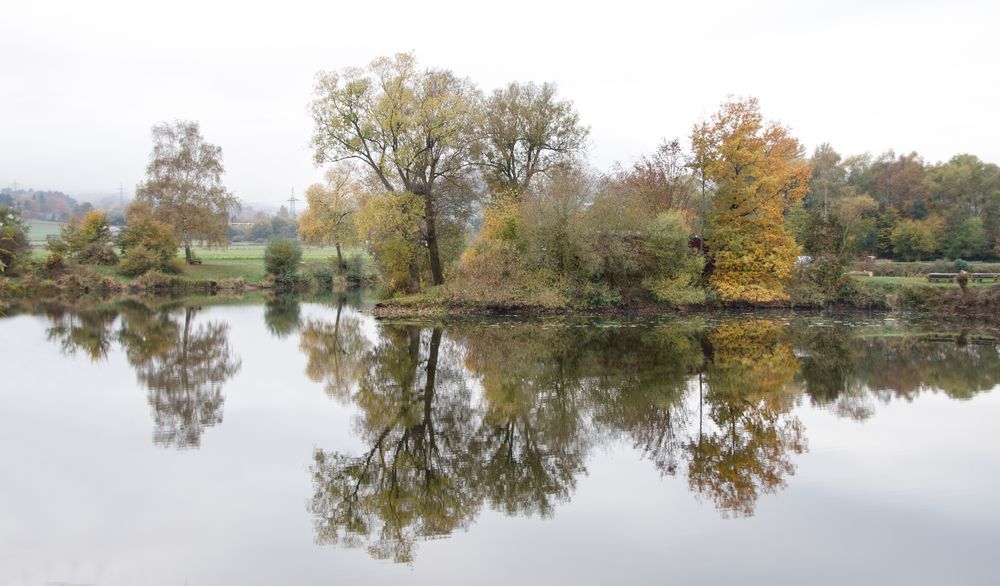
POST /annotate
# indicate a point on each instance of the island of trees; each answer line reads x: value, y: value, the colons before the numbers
x: 487, y: 199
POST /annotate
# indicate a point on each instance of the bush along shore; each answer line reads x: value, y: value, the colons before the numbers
x: 35, y: 281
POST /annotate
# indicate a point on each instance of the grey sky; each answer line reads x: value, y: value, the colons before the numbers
x: 81, y: 83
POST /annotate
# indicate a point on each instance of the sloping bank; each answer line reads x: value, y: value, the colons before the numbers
x: 979, y: 302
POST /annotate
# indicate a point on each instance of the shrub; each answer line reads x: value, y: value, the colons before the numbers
x: 98, y: 253
x: 54, y: 262
x: 138, y: 261
x: 360, y: 266
x: 677, y: 268
x: 961, y: 265
x: 323, y: 277
x: 154, y: 243
x: 14, y: 242
x: 86, y: 240
x: 281, y: 259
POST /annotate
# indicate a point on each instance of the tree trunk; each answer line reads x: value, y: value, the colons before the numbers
x: 188, y: 256
x: 432, y: 360
x: 414, y: 285
x: 340, y: 261
x: 437, y: 275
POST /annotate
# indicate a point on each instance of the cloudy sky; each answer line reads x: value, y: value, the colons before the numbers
x: 81, y: 83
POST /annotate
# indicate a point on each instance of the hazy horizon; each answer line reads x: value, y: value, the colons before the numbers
x: 86, y: 83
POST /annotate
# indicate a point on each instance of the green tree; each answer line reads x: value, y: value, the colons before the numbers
x: 281, y: 259
x: 918, y: 239
x: 676, y: 268
x: 183, y: 185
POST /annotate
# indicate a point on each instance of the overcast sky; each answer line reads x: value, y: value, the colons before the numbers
x: 81, y: 83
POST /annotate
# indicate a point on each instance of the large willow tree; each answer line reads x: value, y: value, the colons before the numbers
x: 758, y: 171
x: 413, y: 128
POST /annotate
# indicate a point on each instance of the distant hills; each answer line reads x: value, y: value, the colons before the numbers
x: 55, y: 205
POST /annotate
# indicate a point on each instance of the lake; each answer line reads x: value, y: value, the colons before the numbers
x: 300, y: 441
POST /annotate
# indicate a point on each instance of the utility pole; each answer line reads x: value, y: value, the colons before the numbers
x: 291, y: 204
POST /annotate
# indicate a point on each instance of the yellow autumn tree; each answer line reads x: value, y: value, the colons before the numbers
x: 758, y: 171
x: 329, y: 219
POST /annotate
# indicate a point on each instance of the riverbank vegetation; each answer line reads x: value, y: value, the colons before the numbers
x: 486, y: 201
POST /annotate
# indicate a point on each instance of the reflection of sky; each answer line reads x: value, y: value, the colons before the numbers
x: 907, y: 496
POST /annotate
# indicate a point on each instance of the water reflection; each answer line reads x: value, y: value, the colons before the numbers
x: 181, y: 361
x: 504, y: 415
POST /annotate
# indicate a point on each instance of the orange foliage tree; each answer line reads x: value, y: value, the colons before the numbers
x: 757, y: 170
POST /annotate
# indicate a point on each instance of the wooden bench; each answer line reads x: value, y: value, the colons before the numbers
x: 981, y: 277
x: 939, y: 277
x: 194, y: 261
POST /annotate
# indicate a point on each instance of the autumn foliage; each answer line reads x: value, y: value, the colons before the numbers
x: 758, y: 171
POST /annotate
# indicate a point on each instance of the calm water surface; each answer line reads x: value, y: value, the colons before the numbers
x: 294, y: 442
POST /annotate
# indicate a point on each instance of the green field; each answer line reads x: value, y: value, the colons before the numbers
x: 38, y: 230
x: 916, y: 281
x: 237, y: 261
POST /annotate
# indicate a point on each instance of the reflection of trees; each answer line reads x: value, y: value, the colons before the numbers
x: 712, y: 403
x: 414, y: 480
x: 531, y: 443
x: 89, y: 331
x: 748, y: 452
x: 282, y: 315
x: 184, y: 367
x: 335, y: 351
x: 849, y: 372
x: 642, y: 387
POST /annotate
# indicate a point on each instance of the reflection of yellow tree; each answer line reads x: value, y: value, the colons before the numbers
x: 415, y: 479
x: 184, y: 368
x: 336, y: 352
x: 748, y: 452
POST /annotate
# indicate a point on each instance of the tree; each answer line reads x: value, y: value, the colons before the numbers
x: 654, y: 184
x: 902, y: 185
x: 527, y: 131
x: 390, y: 223
x: 329, y: 219
x: 412, y: 129
x: 758, y: 171
x: 918, y: 239
x: 184, y: 187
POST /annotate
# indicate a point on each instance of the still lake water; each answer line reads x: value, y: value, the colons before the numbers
x: 303, y: 443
